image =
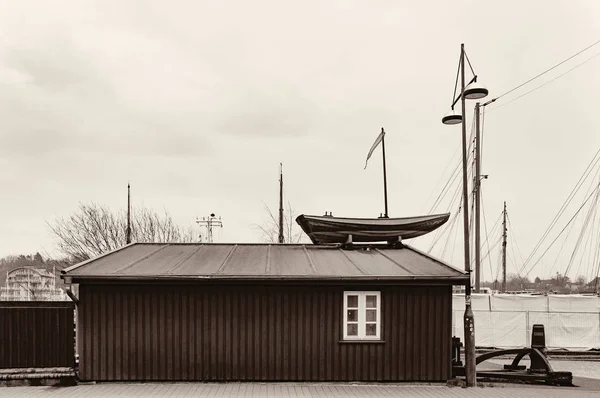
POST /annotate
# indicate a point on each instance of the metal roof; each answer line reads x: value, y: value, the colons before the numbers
x: 197, y: 261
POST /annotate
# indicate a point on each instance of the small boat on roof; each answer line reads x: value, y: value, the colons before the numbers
x: 329, y: 229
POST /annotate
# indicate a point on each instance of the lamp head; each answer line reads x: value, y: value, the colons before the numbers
x: 452, y: 118
x: 475, y: 91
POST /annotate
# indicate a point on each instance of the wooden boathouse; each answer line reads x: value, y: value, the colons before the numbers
x: 263, y: 312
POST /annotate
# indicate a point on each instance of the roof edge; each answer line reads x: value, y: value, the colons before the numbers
x: 435, y: 259
x: 89, y: 260
x: 302, y: 278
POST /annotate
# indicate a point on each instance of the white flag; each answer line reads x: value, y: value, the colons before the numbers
x: 377, y: 141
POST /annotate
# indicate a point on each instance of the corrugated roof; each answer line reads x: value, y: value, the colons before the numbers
x: 193, y: 261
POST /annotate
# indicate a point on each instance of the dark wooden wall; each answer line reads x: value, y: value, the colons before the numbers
x: 186, y: 332
x: 36, y: 334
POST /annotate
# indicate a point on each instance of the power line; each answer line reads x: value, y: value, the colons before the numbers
x: 547, y: 70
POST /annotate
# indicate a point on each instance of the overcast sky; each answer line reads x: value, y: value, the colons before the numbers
x: 196, y: 103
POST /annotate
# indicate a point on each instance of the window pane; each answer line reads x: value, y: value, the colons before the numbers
x: 352, y: 315
x: 353, y: 329
x: 371, y: 301
x: 352, y: 301
x: 371, y: 316
x: 371, y: 329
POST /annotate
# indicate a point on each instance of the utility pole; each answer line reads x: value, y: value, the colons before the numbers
x: 210, y: 222
x: 281, y: 237
x: 128, y: 231
x: 468, y: 318
x: 477, y: 187
x: 504, y: 249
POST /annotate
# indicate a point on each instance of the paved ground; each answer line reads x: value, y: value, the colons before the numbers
x: 291, y: 390
x: 586, y: 377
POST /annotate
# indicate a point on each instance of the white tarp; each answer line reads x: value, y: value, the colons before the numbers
x: 573, y: 303
x: 571, y: 322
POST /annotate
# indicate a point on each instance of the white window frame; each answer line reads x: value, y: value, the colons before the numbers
x: 362, y: 314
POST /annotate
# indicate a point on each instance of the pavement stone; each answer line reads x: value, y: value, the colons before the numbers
x: 268, y: 390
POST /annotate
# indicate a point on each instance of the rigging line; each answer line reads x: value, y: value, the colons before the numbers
x: 454, y: 246
x: 442, y: 195
x: 557, y: 257
x: 596, y: 254
x: 515, y: 236
x: 445, y: 169
x: 443, y: 252
x: 542, y: 85
x: 575, y: 189
x: 498, y: 264
x: 562, y: 209
x: 485, y: 228
x: 492, y: 248
x: 591, y: 212
x: 447, y: 228
x: 439, y: 232
x: 453, y: 176
x: 589, y: 238
x: 586, y: 223
x: 446, y: 187
x: 547, y: 70
x: 568, y: 223
x: 515, y: 258
x: 454, y: 224
x: 598, y: 268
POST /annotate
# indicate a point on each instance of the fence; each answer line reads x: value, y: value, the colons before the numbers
x: 36, y: 334
x: 571, y: 322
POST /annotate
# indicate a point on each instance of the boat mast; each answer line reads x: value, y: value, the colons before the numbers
x: 385, y: 215
x: 504, y: 249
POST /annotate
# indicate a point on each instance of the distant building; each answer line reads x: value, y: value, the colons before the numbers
x: 31, y: 284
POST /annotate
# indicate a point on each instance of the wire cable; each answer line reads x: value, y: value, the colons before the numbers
x: 547, y: 70
x: 542, y: 85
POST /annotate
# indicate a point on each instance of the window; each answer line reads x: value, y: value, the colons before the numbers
x: 362, y: 315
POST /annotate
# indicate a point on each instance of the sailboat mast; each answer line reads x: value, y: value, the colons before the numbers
x: 384, y: 174
x: 504, y: 249
x: 281, y: 237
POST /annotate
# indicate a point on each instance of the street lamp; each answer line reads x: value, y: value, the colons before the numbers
x: 472, y: 90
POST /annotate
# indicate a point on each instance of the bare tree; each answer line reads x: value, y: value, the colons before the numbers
x: 95, y: 229
x: 270, y: 228
x: 517, y: 282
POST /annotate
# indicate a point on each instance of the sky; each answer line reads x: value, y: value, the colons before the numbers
x: 195, y: 103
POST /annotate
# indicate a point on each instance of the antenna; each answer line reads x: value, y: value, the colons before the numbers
x: 128, y: 232
x: 281, y: 238
x: 209, y: 222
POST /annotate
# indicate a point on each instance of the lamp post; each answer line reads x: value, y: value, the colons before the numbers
x: 470, y: 91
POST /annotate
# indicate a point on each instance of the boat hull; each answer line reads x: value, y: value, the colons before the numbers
x: 328, y: 229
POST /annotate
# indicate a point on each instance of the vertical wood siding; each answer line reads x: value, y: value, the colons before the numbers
x: 36, y: 334
x: 185, y: 332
